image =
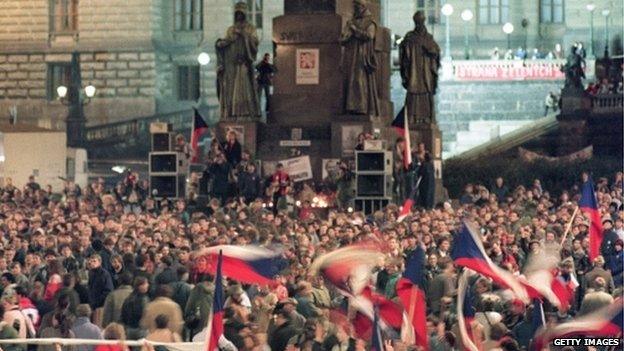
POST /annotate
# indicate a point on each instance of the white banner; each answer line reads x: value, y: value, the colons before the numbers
x: 307, y: 66
x: 298, y: 168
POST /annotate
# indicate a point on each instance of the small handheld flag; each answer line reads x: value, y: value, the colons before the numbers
x: 199, y: 127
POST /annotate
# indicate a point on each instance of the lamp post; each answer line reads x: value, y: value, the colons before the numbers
x: 508, y: 28
x: 606, y: 13
x: 591, y: 7
x: 466, y: 15
x: 447, y: 11
x: 204, y: 60
x: 72, y: 97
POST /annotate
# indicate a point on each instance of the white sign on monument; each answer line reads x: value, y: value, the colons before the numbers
x: 307, y: 66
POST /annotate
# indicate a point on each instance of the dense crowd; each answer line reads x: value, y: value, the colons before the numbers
x: 90, y: 263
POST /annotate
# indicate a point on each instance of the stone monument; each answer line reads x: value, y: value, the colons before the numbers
x: 236, y: 54
x: 419, y: 57
x: 308, y: 109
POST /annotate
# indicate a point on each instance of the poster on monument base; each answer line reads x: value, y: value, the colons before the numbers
x: 307, y: 66
x: 331, y: 168
x: 298, y: 168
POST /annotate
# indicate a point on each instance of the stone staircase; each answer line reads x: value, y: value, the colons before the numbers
x: 481, y: 132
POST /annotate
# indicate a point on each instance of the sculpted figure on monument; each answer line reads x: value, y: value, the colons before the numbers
x: 236, y: 54
x: 573, y: 70
x: 420, y: 60
x: 359, y: 62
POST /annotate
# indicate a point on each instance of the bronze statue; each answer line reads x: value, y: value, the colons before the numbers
x: 573, y: 70
x: 420, y: 60
x: 236, y: 54
x: 359, y: 62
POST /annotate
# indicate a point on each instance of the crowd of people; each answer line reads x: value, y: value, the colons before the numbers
x: 83, y: 263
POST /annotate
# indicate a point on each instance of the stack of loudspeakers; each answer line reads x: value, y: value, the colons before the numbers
x: 168, y: 169
x: 373, y: 179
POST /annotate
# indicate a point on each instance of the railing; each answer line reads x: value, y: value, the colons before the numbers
x: 506, y: 70
x: 607, y: 103
x: 117, y: 131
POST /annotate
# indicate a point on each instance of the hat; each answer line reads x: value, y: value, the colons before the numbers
x: 607, y: 218
x: 240, y: 6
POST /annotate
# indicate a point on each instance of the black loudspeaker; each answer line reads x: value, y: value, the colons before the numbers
x: 369, y: 206
x: 373, y: 161
x: 371, y: 185
x: 162, y: 141
x: 165, y: 162
x: 169, y: 186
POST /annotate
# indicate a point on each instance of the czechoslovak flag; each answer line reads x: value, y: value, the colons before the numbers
x: 401, y: 124
x: 410, y: 289
x: 199, y: 127
x: 468, y: 252
x: 214, y: 330
x: 589, y: 206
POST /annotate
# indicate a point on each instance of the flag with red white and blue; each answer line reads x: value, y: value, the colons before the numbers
x: 401, y: 124
x: 377, y: 339
x: 199, y: 128
x: 589, y: 205
x: 410, y: 290
x: 214, y: 330
x: 468, y: 251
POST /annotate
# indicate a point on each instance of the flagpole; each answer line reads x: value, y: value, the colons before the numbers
x: 565, y: 234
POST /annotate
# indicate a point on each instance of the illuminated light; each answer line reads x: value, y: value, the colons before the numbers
x: 90, y: 91
x: 508, y: 28
x: 350, y: 209
x: 61, y: 91
x: 118, y: 169
x: 447, y: 10
x: 466, y: 15
x: 315, y: 199
x: 203, y: 58
x: 270, y: 204
x: 590, y: 7
x: 298, y: 203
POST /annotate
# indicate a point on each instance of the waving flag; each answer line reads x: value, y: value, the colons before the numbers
x: 199, y: 127
x: 348, y: 268
x: 401, y: 124
x: 468, y: 252
x: 466, y: 313
x: 589, y: 205
x: 215, y: 321
x: 410, y: 289
x: 606, y: 322
x: 377, y: 340
x: 246, y: 264
x: 541, y: 280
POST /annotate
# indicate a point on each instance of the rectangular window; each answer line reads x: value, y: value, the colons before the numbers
x: 493, y: 11
x: 551, y: 11
x: 63, y: 16
x: 58, y: 74
x: 188, y: 83
x: 188, y: 15
x: 254, y: 12
x: 431, y: 9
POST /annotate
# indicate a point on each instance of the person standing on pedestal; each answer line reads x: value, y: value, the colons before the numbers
x: 236, y: 54
x: 420, y: 60
x: 265, y: 70
x: 427, y: 182
x: 359, y: 63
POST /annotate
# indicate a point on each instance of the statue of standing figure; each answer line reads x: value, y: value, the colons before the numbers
x: 573, y: 69
x: 359, y: 62
x: 236, y: 54
x: 420, y: 60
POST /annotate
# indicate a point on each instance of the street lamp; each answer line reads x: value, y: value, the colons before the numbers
x: 508, y: 28
x: 466, y: 15
x: 75, y: 97
x: 591, y: 7
x: 203, y: 59
x: 606, y: 13
x: 447, y: 11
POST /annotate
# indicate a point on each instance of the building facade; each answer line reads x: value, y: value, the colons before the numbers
x: 141, y: 55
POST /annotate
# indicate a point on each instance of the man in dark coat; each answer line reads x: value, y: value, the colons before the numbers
x: 132, y: 308
x: 278, y: 340
x: 220, y: 173
x: 427, y: 183
x: 609, y: 237
x: 100, y: 285
x: 249, y: 183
